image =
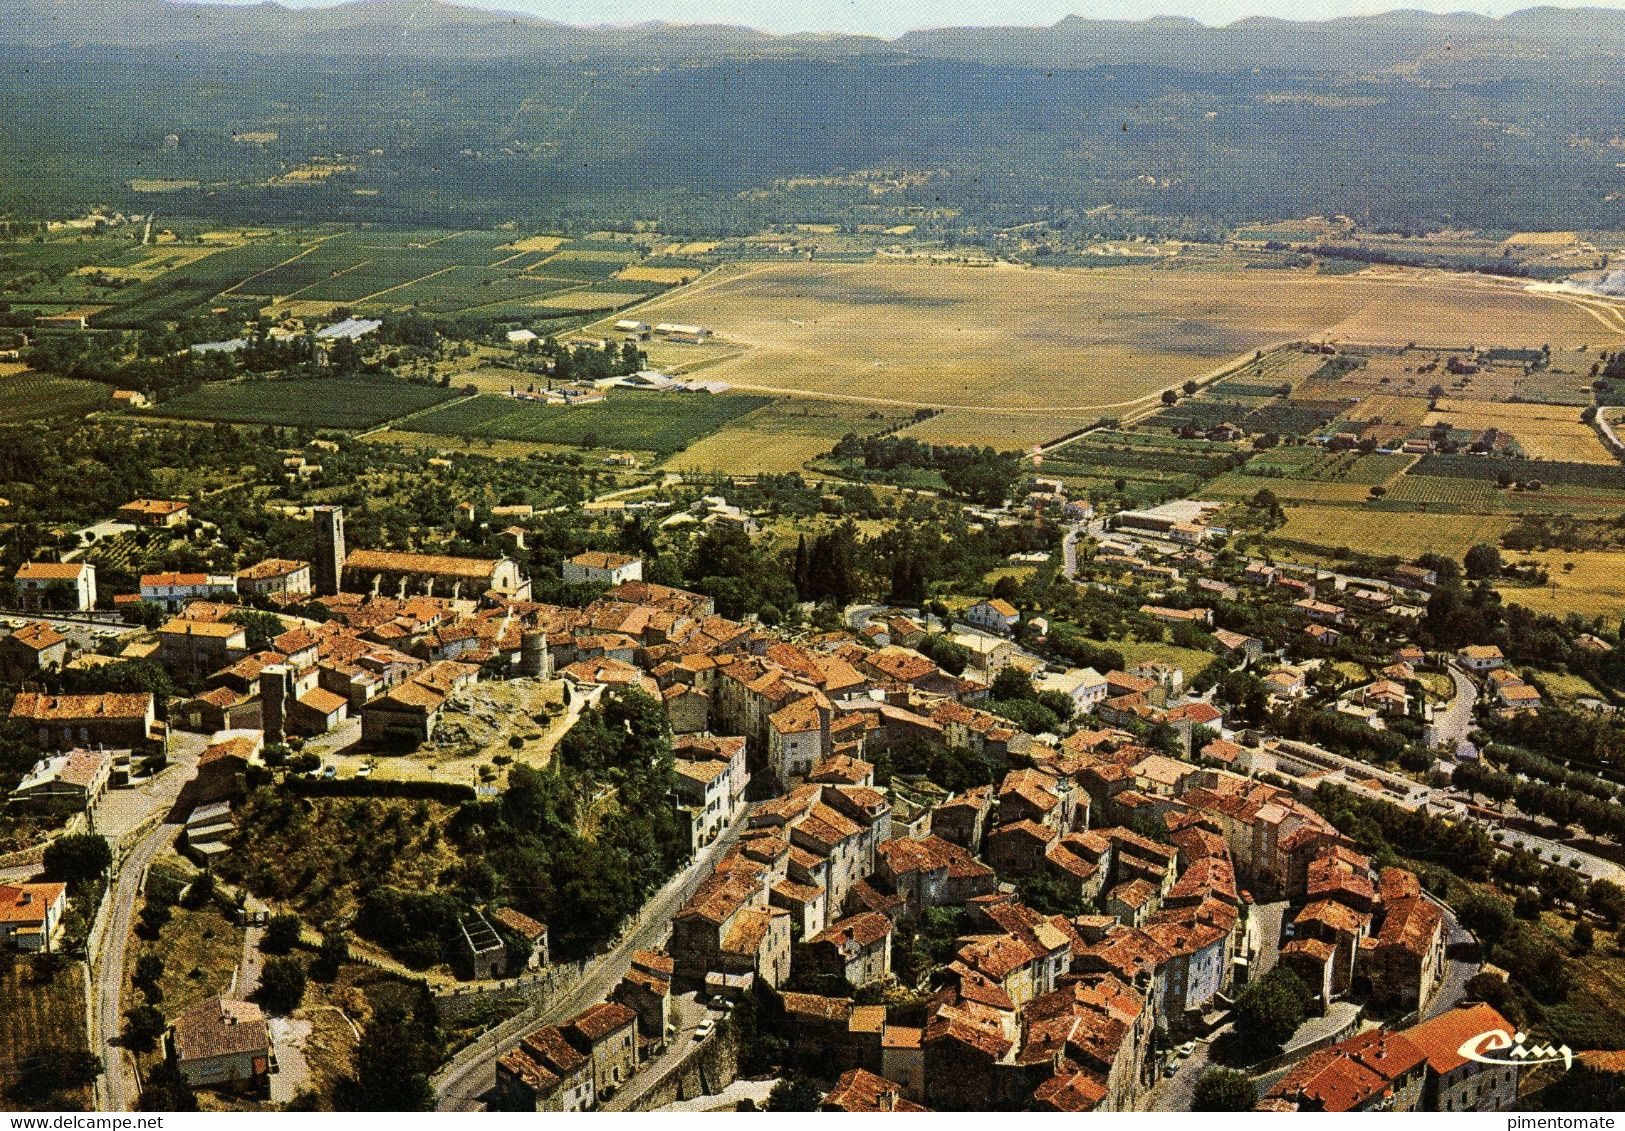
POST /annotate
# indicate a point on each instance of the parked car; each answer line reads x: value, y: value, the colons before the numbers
x: 704, y: 1029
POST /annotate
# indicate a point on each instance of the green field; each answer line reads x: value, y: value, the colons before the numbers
x: 648, y: 422
x: 316, y: 403
x: 37, y: 396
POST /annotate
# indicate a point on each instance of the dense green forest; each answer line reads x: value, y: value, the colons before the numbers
x: 706, y: 147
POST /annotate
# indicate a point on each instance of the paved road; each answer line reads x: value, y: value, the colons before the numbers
x: 1457, y: 971
x: 1455, y: 720
x: 1177, y: 1092
x: 125, y: 818
x: 118, y: 1089
x: 463, y: 1083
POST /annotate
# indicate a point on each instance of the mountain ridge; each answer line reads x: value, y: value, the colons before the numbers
x: 438, y: 28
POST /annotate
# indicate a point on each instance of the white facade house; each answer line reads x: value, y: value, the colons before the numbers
x: 1084, y: 686
x: 996, y: 615
x: 600, y: 567
x: 37, y: 580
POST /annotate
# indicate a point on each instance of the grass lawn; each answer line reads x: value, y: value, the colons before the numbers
x: 337, y: 402
x: 37, y: 1017
x: 627, y: 420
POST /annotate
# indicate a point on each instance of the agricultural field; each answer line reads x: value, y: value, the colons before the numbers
x: 1594, y: 586
x: 1008, y: 339
x: 40, y: 1017
x: 1543, y: 431
x: 305, y: 403
x: 635, y: 421
x: 37, y: 396
x: 782, y: 436
x: 1380, y: 531
x: 1016, y: 340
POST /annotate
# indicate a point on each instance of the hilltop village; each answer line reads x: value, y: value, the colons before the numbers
x: 1211, y: 832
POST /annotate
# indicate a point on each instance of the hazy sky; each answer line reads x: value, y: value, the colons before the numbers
x: 892, y: 17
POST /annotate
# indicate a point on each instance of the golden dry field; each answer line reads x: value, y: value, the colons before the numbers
x: 1058, y: 343
x: 1543, y: 431
x: 1594, y: 587
x: 1382, y: 532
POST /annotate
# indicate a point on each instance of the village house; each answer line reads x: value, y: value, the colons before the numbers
x: 114, y: 720
x: 1085, y: 687
x: 545, y: 1073
x: 994, y: 615
x: 856, y: 950
x: 1480, y: 658
x: 1455, y: 1082
x: 74, y: 781
x: 221, y: 1042
x: 275, y: 577
x: 646, y: 990
x: 600, y: 567
x: 67, y: 586
x: 1375, y: 1071
x: 174, y: 590
x: 156, y: 512
x: 33, y: 648
x: 30, y: 915
x: 605, y: 1033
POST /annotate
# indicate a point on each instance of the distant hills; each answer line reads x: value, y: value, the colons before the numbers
x: 429, y: 28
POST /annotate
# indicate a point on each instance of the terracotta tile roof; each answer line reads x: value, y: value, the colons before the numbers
x: 860, y: 1090
x: 522, y: 925
x: 220, y: 1026
x: 548, y: 1048
x: 818, y: 1006
x: 38, y: 636
x: 51, y: 571
x: 37, y: 706
x: 1070, y: 1092
x: 322, y: 701
x: 862, y: 930
x: 26, y: 904
x: 597, y: 1022
x: 439, y: 565
x: 1331, y: 914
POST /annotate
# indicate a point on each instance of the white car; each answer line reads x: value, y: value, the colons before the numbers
x: 704, y: 1029
x: 364, y: 772
x: 1187, y: 1048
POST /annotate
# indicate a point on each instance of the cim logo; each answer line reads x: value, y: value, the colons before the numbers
x: 1497, y: 1046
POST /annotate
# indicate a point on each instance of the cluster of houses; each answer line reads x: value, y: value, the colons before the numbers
x: 1063, y: 1012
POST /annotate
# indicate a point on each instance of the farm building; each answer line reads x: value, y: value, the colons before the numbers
x: 155, y: 512
x: 521, y: 337
x: 682, y: 332
x: 351, y: 328
x: 231, y: 345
